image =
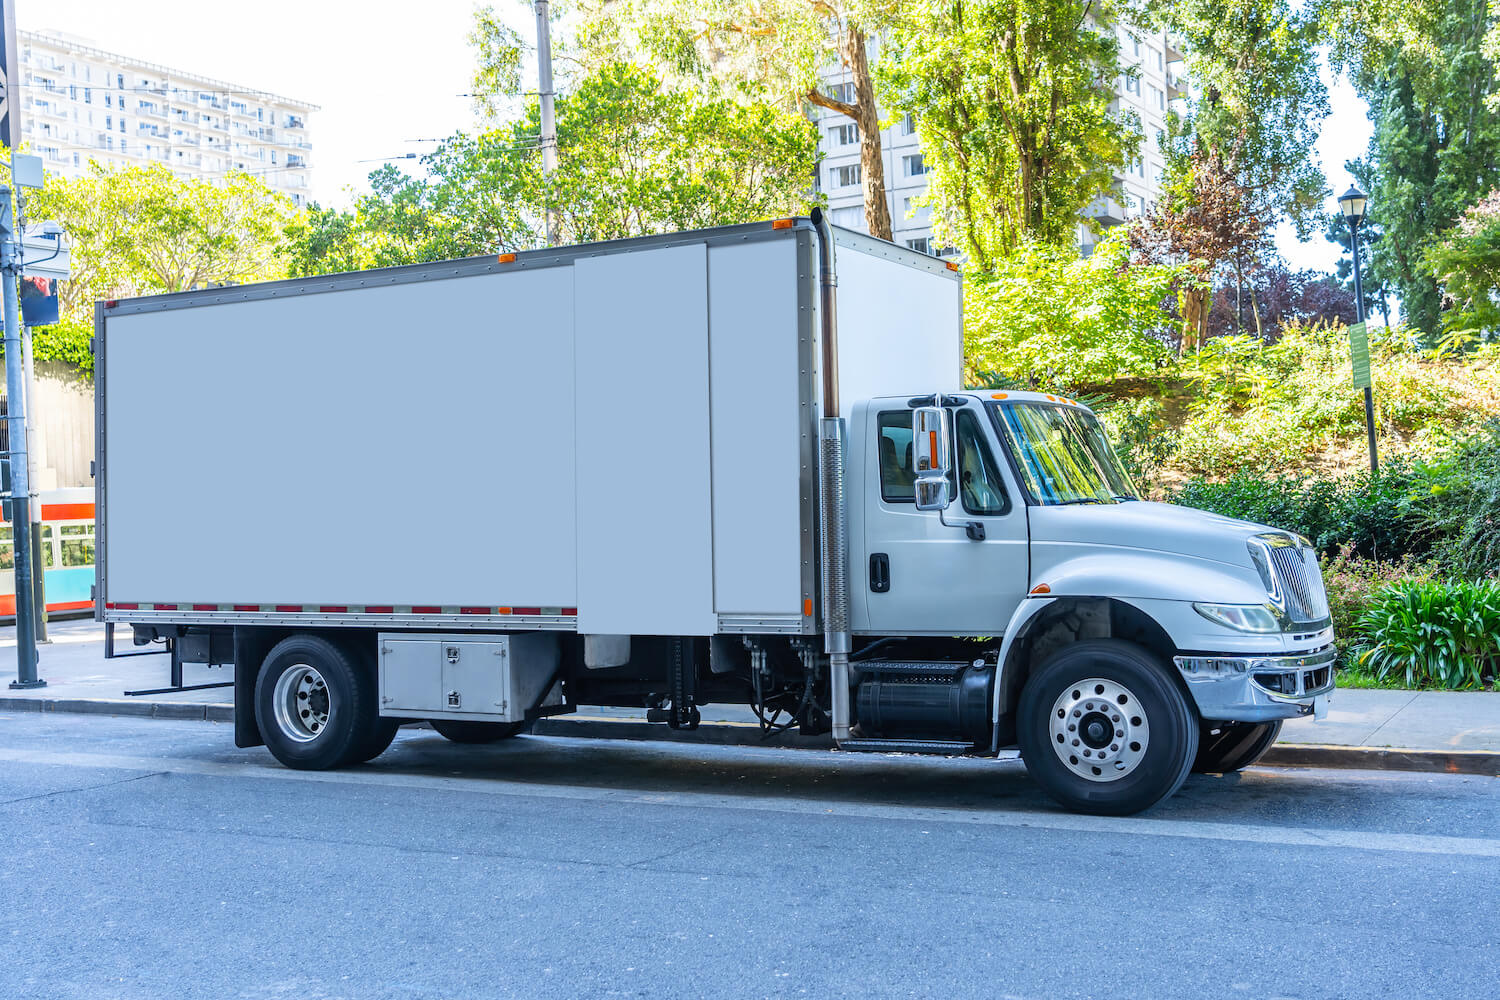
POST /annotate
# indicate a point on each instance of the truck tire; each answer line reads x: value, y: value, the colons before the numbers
x: 1103, y: 728
x: 1230, y: 746
x: 315, y: 706
x: 465, y: 731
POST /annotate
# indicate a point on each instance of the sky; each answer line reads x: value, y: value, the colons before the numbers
x: 389, y: 79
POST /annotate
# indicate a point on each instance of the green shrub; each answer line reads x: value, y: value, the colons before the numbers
x: 1352, y: 583
x: 1460, y: 510
x: 1378, y: 517
x: 1432, y: 634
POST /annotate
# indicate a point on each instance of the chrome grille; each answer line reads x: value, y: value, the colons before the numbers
x: 1301, y: 582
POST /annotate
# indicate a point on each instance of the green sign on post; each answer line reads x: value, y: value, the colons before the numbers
x: 1359, y: 354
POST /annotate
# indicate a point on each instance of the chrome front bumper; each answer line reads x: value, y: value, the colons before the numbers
x: 1260, y: 688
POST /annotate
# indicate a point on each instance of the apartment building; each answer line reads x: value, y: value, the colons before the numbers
x: 1149, y: 92
x: 82, y: 103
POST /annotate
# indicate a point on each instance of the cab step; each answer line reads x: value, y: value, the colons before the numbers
x: 944, y: 747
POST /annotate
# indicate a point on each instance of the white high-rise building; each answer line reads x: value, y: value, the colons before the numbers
x: 82, y: 103
x: 1149, y: 94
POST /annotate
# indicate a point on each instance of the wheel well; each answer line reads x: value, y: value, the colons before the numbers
x: 1071, y: 619
x: 252, y: 643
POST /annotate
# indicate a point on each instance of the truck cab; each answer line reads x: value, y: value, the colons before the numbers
x: 1032, y: 543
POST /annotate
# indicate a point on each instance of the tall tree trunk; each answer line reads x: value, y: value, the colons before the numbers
x: 853, y: 49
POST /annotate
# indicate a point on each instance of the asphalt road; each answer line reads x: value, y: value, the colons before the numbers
x: 151, y: 859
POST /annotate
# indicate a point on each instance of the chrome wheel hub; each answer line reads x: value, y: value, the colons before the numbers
x: 302, y: 702
x: 1098, y: 729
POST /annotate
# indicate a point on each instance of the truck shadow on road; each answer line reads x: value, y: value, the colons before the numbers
x: 1267, y: 795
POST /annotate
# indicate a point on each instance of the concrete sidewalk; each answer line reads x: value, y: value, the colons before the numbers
x: 1406, y: 730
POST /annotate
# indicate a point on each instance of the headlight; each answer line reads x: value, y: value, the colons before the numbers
x: 1241, y: 617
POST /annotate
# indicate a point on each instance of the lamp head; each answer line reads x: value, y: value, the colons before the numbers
x: 1352, y: 203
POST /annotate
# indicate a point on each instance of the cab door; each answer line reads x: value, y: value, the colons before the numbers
x: 920, y: 575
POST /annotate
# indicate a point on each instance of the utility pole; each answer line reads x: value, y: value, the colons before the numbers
x: 15, y: 417
x: 38, y: 564
x: 549, y: 124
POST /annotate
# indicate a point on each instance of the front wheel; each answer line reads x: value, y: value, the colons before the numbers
x: 1233, y: 746
x: 1103, y: 729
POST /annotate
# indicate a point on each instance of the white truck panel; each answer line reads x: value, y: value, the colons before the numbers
x: 899, y: 328
x: 758, y: 423
x: 645, y: 503
x: 258, y: 453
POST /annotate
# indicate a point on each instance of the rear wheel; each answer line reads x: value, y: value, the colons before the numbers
x: 1103, y: 729
x: 315, y: 705
x: 1231, y: 746
x: 465, y: 731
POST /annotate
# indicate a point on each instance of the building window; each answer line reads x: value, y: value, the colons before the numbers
x: 842, y: 92
x: 120, y: 80
x: 1133, y: 85
x: 1158, y: 98
x: 109, y: 101
x: 908, y: 125
x: 1135, y: 45
x: 846, y: 176
x: 846, y: 135
x: 88, y: 95
x: 919, y: 244
x: 1160, y: 65
x: 913, y: 165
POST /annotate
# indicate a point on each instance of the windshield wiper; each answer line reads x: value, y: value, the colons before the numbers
x: 1064, y: 503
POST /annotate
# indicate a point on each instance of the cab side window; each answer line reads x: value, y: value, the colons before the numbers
x: 979, y: 484
x: 894, y: 444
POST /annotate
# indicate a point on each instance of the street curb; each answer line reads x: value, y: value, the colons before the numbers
x: 190, y: 710
x: 1476, y: 762
x: 1480, y: 762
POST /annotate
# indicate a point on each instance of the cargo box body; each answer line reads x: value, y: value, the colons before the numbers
x: 613, y: 438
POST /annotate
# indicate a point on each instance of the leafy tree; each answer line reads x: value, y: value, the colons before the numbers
x: 767, y: 49
x: 634, y: 159
x: 1204, y: 223
x: 1467, y: 261
x: 1430, y: 79
x: 1256, y: 102
x: 142, y: 230
x: 1047, y: 318
x: 1013, y: 102
x: 1282, y: 296
x: 1336, y: 230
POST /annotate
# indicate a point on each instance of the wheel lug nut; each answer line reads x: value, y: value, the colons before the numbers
x: 1119, y: 734
x: 1114, y: 718
x: 1113, y: 747
x: 1076, y: 713
x: 1072, y: 726
x: 1075, y: 743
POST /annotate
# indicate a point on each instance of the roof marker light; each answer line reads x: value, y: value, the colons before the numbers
x: 507, y: 258
x: 783, y: 223
x: 999, y: 395
x: 951, y: 266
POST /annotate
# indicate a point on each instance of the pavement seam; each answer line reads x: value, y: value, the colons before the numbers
x: 1197, y: 830
x: 84, y: 788
x: 1404, y: 706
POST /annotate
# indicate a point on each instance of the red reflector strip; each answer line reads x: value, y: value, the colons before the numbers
x: 124, y: 607
x: 338, y: 609
x: 164, y: 607
x: 570, y: 611
x: 526, y: 611
x: 205, y: 607
x: 379, y: 609
x: 288, y: 607
x: 247, y: 607
x: 473, y: 611
x: 426, y: 609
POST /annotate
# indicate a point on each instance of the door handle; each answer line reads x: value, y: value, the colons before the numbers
x: 880, y: 572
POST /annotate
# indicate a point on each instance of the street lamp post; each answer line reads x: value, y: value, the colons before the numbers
x: 1352, y: 203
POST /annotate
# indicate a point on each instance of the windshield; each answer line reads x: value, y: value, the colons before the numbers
x: 1062, y: 454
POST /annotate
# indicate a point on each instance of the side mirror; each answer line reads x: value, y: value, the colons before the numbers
x: 930, y: 451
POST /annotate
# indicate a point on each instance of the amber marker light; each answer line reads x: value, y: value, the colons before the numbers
x: 1041, y: 588
x: 783, y: 223
x: 507, y: 258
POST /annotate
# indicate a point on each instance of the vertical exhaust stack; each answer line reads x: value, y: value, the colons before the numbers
x: 832, y: 510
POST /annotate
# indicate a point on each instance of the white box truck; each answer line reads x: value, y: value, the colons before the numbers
x: 663, y: 473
